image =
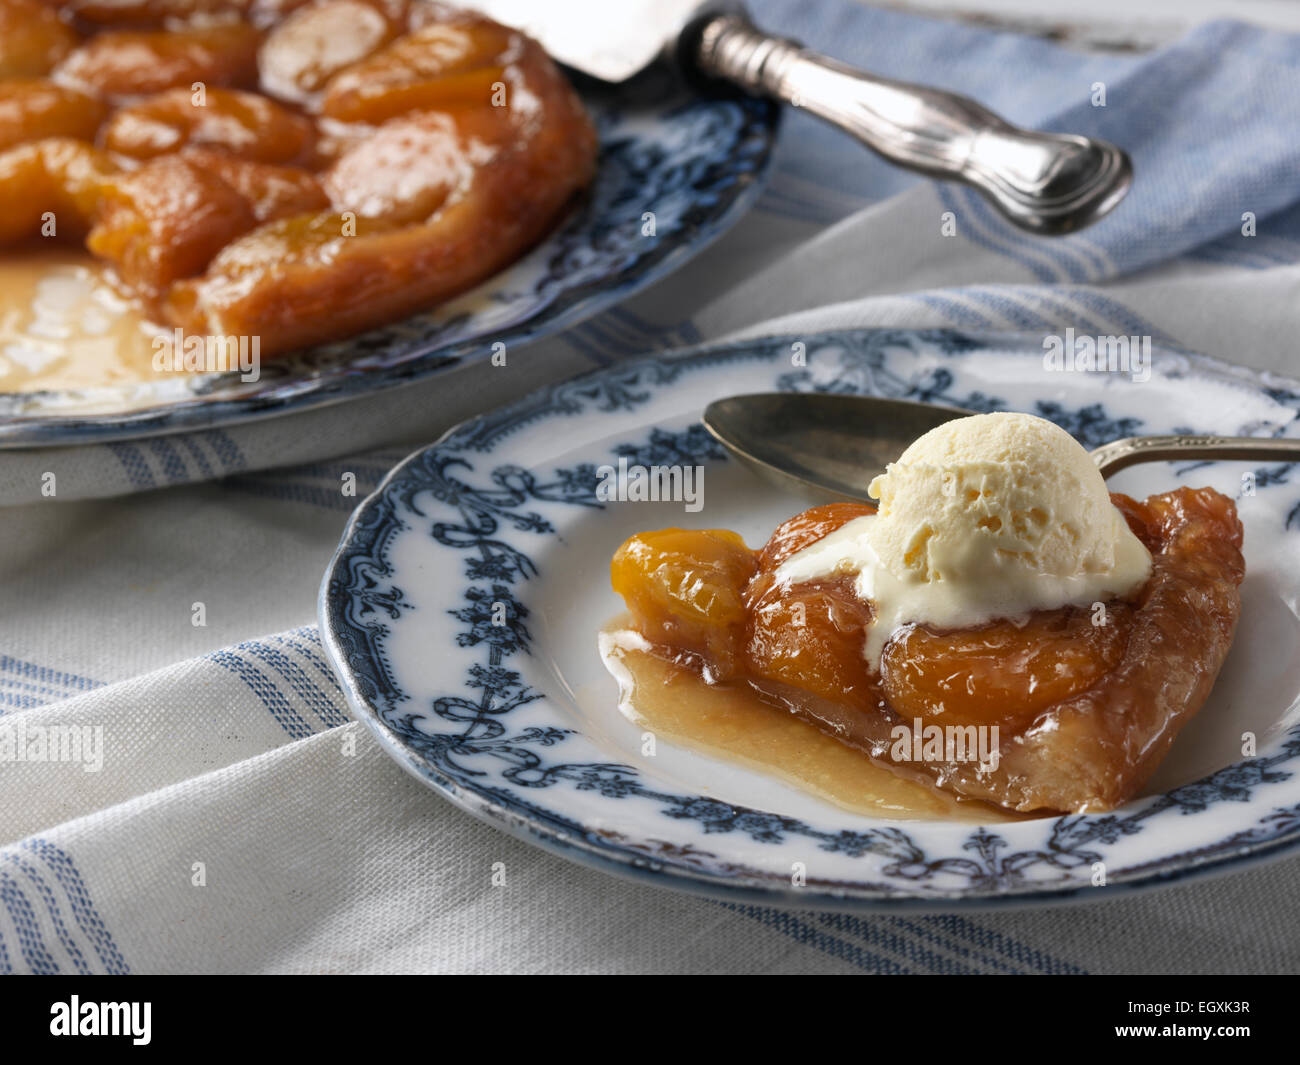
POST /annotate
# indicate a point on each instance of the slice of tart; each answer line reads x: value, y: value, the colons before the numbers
x: 1002, y: 628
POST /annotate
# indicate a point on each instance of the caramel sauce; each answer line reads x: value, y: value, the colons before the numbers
x: 64, y: 326
x: 730, y: 722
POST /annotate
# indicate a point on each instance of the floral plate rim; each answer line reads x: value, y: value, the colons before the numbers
x: 555, y: 833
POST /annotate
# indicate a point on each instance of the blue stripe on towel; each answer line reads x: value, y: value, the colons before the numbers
x: 87, y: 917
x: 30, y: 941
x: 47, y: 896
x: 173, y: 466
x: 137, y: 470
x: 26, y: 684
x: 267, y: 691
x: 227, y: 451
x: 956, y: 312
x: 308, y: 690
x: 896, y: 945
x: 884, y: 935
x: 306, y: 641
x: 1004, y: 945
x: 800, y: 930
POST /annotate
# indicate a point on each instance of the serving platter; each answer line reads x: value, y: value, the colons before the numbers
x: 674, y: 172
x: 462, y: 610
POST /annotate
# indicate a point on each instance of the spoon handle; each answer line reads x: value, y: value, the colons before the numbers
x: 1047, y: 183
x: 1120, y: 454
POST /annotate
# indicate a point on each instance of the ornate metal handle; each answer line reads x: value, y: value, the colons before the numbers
x: 1048, y: 183
x: 1120, y: 454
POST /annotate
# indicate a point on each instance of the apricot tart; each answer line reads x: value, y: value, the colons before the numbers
x: 293, y: 171
x: 1084, y: 712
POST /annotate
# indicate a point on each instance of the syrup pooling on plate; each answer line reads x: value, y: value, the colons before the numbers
x: 732, y: 722
x: 64, y: 326
x: 293, y: 172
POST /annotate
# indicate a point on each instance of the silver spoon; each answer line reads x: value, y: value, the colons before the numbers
x: 835, y: 444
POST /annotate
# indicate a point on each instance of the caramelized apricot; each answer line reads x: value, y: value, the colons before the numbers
x: 272, y: 192
x: 811, y: 637
x: 166, y: 221
x: 404, y: 172
x: 51, y: 188
x: 441, y: 67
x: 313, y: 44
x: 805, y: 529
x: 243, y: 123
x: 32, y: 38
x: 285, y: 278
x: 32, y: 108
x: 1004, y: 673
x: 143, y: 13
x: 685, y: 590
x: 134, y: 63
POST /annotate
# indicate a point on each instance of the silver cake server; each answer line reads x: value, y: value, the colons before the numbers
x: 1047, y: 183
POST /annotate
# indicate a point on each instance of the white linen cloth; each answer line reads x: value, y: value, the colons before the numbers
x: 241, y: 823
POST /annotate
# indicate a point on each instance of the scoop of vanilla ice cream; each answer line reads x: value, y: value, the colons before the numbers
x: 994, y: 515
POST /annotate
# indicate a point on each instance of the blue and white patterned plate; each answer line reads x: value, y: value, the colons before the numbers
x: 517, y: 721
x: 695, y: 164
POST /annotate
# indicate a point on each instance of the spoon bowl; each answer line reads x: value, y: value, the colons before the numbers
x: 820, y: 445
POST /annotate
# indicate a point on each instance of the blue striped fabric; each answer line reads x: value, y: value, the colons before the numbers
x: 41, y: 888
x: 896, y: 946
x: 49, y: 920
x: 290, y: 678
x: 166, y: 460
x: 26, y: 684
x: 1209, y: 121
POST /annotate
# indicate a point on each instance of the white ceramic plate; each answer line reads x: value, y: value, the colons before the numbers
x: 518, y: 722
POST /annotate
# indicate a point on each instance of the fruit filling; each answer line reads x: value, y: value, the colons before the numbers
x: 287, y: 170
